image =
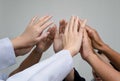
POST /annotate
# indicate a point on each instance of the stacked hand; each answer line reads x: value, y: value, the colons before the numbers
x: 32, y: 35
x: 46, y: 42
x: 57, y: 45
x: 73, y: 35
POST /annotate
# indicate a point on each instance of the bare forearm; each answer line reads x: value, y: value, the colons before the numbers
x: 32, y: 59
x: 70, y: 76
x: 103, y: 70
x: 112, y: 55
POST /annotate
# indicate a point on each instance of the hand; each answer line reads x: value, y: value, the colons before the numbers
x: 97, y: 42
x: 86, y: 48
x: 73, y: 35
x: 33, y: 33
x: 46, y: 42
x: 57, y: 44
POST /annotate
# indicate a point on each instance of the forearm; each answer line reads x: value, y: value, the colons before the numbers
x: 17, y: 42
x: 32, y: 59
x: 112, y: 55
x: 102, y: 69
x: 70, y: 76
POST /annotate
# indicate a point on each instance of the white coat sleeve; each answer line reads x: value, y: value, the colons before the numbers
x: 3, y: 77
x: 7, y: 55
x: 54, y: 68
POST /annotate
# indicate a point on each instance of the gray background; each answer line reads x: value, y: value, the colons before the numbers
x: 103, y: 15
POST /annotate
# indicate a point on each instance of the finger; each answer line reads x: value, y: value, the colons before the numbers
x: 84, y: 23
x: 57, y: 34
x: 43, y: 20
x: 75, y: 28
x: 42, y: 36
x: 66, y: 28
x: 52, y: 33
x: 71, y: 23
x: 45, y: 26
x: 79, y: 24
x: 62, y: 26
x: 88, y: 28
x: 85, y: 35
x: 32, y: 21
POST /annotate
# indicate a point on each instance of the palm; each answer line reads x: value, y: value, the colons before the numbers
x: 46, y: 42
x: 57, y: 44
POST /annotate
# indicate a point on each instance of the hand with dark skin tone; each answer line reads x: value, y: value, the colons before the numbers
x: 98, y: 44
x: 36, y: 54
x: 106, y: 72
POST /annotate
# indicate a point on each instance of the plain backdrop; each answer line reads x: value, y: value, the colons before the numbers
x: 103, y: 15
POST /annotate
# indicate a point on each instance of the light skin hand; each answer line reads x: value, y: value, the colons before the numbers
x: 33, y: 33
x: 86, y: 48
x: 57, y: 44
x: 42, y: 46
x: 72, y: 38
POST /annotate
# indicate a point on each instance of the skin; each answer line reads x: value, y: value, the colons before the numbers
x: 72, y: 37
x: 98, y: 44
x: 66, y: 44
x: 32, y: 35
x: 59, y: 46
x: 101, y: 68
x: 104, y: 59
x: 36, y: 54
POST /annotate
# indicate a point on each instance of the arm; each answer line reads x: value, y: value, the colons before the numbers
x: 101, y: 68
x: 100, y: 45
x: 112, y: 55
x: 36, y: 54
x: 32, y: 59
x: 58, y: 46
x: 47, y: 70
x: 69, y: 43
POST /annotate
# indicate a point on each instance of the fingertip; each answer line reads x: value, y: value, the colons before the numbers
x: 84, y: 23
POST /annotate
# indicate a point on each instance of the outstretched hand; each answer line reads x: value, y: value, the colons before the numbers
x: 57, y: 44
x: 46, y: 42
x: 72, y: 38
x: 97, y: 42
x: 33, y: 33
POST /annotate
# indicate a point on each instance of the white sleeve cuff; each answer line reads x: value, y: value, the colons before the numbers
x: 7, y: 55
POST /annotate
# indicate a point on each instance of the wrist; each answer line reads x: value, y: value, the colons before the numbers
x: 15, y: 43
x: 38, y: 51
x: 72, y: 51
x: 90, y: 57
x: 103, y: 48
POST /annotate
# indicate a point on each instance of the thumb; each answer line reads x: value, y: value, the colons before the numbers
x: 42, y: 36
